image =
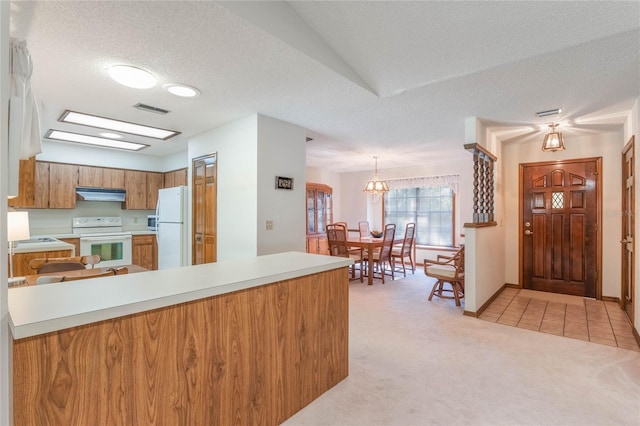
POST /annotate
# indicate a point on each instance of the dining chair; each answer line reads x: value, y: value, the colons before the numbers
x: 121, y: 270
x: 58, y: 264
x: 363, y: 227
x: 382, y: 256
x: 337, y: 238
x: 447, y: 269
x: 48, y: 279
x: 107, y: 273
x: 92, y: 260
x: 405, y: 249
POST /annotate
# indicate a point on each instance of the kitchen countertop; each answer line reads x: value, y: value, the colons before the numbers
x: 72, y: 235
x: 40, y: 243
x: 40, y: 309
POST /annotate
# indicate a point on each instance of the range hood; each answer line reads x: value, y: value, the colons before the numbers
x: 100, y: 194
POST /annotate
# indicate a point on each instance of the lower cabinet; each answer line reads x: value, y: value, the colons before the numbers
x: 21, y: 260
x: 317, y: 244
x: 75, y: 242
x: 144, y: 251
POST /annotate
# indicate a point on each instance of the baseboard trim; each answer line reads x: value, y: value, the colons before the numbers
x: 486, y: 304
x: 509, y: 285
x: 610, y: 299
x: 635, y: 334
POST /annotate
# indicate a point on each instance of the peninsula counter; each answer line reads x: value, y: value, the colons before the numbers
x: 247, y: 341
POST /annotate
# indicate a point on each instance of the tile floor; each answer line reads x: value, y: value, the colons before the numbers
x: 570, y: 316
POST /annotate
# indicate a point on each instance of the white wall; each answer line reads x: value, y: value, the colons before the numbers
x: 356, y: 206
x: 241, y: 172
x: 236, y: 146
x: 484, y: 259
x: 6, y: 343
x: 605, y: 145
x: 102, y: 157
x: 58, y: 221
x: 179, y: 160
x: 281, y: 152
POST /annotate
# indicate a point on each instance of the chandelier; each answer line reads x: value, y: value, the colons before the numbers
x: 553, y: 140
x: 375, y: 185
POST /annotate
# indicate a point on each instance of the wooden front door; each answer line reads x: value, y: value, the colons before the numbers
x: 628, y: 230
x: 204, y: 205
x: 559, y: 231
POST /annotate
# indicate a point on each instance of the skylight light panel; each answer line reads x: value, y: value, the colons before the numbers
x: 61, y: 136
x: 116, y: 125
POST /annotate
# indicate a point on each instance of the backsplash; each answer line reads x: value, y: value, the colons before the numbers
x: 58, y: 221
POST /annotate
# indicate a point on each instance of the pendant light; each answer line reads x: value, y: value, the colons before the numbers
x: 553, y: 140
x: 376, y: 186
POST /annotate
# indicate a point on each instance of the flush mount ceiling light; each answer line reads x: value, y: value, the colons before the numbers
x: 375, y: 185
x: 182, y: 90
x: 129, y: 76
x: 553, y: 140
x: 61, y: 136
x: 116, y: 125
x: 110, y: 135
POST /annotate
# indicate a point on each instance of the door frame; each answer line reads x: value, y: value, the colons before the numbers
x: 629, y: 146
x: 521, y: 166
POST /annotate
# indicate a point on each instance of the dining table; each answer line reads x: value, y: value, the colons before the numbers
x: 369, y: 244
x: 86, y: 273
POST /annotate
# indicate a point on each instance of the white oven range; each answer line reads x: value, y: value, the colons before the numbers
x: 104, y: 236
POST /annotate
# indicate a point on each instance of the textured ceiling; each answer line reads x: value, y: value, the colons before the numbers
x: 392, y: 79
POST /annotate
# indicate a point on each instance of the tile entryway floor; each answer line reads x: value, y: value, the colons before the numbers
x: 570, y: 316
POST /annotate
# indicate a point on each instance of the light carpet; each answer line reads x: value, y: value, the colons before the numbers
x: 415, y: 362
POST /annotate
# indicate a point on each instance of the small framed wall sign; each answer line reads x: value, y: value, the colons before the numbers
x: 284, y: 182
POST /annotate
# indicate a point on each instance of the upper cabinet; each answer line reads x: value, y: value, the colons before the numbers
x: 100, y: 177
x: 26, y: 184
x: 175, y: 178
x: 112, y: 178
x: 53, y: 185
x: 63, y: 179
x: 142, y: 189
x: 155, y: 182
x: 136, y: 186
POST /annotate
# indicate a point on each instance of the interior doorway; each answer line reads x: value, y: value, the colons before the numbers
x: 561, y: 207
x: 628, y: 228
x: 204, y: 205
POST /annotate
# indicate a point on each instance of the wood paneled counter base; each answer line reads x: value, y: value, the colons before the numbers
x: 252, y: 356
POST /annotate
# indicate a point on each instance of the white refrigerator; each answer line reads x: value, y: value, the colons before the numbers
x: 171, y: 227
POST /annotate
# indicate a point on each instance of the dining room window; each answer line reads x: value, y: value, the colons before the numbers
x: 431, y: 208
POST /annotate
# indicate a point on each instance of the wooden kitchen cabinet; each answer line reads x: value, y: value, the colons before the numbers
x: 142, y: 189
x: 175, y: 178
x: 63, y: 179
x: 100, y: 177
x: 112, y: 178
x: 319, y: 215
x: 155, y: 182
x: 26, y: 184
x: 75, y: 242
x: 135, y: 182
x: 41, y: 185
x: 90, y: 176
x: 145, y: 251
x: 21, y: 260
x: 33, y: 185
